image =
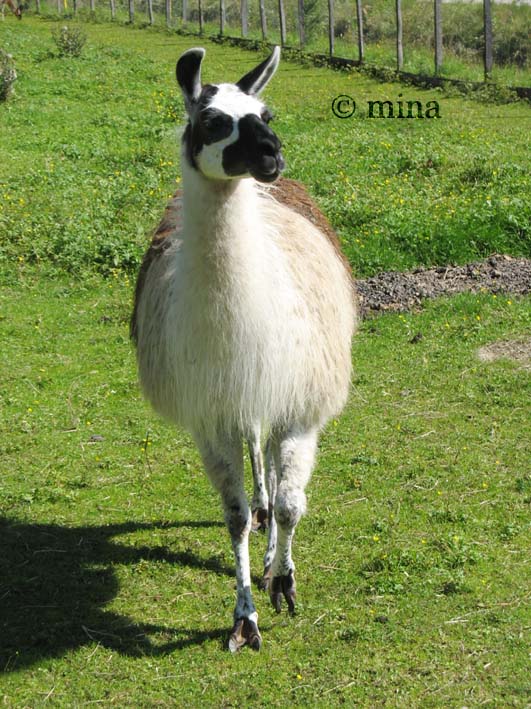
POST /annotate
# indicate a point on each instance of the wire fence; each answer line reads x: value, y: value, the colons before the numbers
x: 443, y: 41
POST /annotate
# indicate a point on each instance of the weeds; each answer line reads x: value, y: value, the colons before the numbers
x: 69, y: 40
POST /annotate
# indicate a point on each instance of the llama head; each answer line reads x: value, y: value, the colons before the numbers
x: 227, y: 135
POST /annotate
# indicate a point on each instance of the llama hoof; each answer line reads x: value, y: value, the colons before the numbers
x: 260, y: 521
x: 245, y: 632
x: 266, y: 578
x: 283, y: 586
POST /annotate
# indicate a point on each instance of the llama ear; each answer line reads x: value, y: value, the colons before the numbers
x: 188, y: 72
x: 257, y: 79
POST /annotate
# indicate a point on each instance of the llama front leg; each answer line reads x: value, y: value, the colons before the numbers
x: 223, y: 462
x: 294, y: 455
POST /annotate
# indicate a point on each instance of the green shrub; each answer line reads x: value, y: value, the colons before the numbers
x: 513, y: 48
x: 69, y: 40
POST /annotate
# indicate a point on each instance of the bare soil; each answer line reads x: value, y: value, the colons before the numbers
x: 517, y: 350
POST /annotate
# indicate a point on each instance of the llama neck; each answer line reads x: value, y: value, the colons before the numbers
x: 217, y: 209
x: 222, y: 227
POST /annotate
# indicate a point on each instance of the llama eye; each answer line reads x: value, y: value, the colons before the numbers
x: 217, y: 126
x: 216, y: 122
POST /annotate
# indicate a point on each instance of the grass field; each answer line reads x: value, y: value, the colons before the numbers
x: 116, y: 577
x: 413, y: 562
x: 91, y: 156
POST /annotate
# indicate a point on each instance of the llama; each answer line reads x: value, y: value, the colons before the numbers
x: 16, y: 10
x: 243, y: 318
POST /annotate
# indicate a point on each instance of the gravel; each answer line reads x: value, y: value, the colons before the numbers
x: 396, y: 292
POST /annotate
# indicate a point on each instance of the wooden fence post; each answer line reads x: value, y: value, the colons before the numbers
x: 263, y: 21
x: 185, y: 11
x: 437, y: 18
x: 93, y: 6
x: 113, y: 9
x: 300, y: 22
x: 399, y: 49
x: 487, y: 24
x: 58, y: 7
x: 150, y: 11
x: 168, y: 12
x: 244, y: 15
x: 38, y: 6
x: 221, y: 16
x: 331, y: 27
x: 201, y: 16
x: 131, y: 11
x: 359, y: 17
x: 282, y: 19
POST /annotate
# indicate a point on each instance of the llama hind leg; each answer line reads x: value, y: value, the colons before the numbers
x: 294, y: 457
x: 259, y: 504
x: 271, y: 475
x: 223, y: 461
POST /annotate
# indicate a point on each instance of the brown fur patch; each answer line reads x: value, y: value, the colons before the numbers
x: 294, y: 195
x: 171, y: 221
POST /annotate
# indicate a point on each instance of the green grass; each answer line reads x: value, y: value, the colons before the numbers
x: 413, y: 562
x: 116, y: 577
x: 91, y: 155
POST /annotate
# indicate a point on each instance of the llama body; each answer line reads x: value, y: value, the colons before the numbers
x: 237, y: 338
x: 243, y: 322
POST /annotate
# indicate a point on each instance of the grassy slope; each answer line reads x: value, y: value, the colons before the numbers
x: 116, y: 579
x: 91, y: 155
x: 462, y: 30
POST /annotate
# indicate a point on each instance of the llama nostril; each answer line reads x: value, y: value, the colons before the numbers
x: 268, y: 147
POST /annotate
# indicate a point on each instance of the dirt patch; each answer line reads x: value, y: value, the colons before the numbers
x: 396, y: 292
x: 517, y: 350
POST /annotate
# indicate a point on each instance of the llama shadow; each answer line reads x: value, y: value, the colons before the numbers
x: 55, y: 582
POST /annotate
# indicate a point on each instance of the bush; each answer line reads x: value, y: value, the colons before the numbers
x: 8, y: 75
x: 513, y: 48
x: 69, y: 40
x: 341, y: 27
